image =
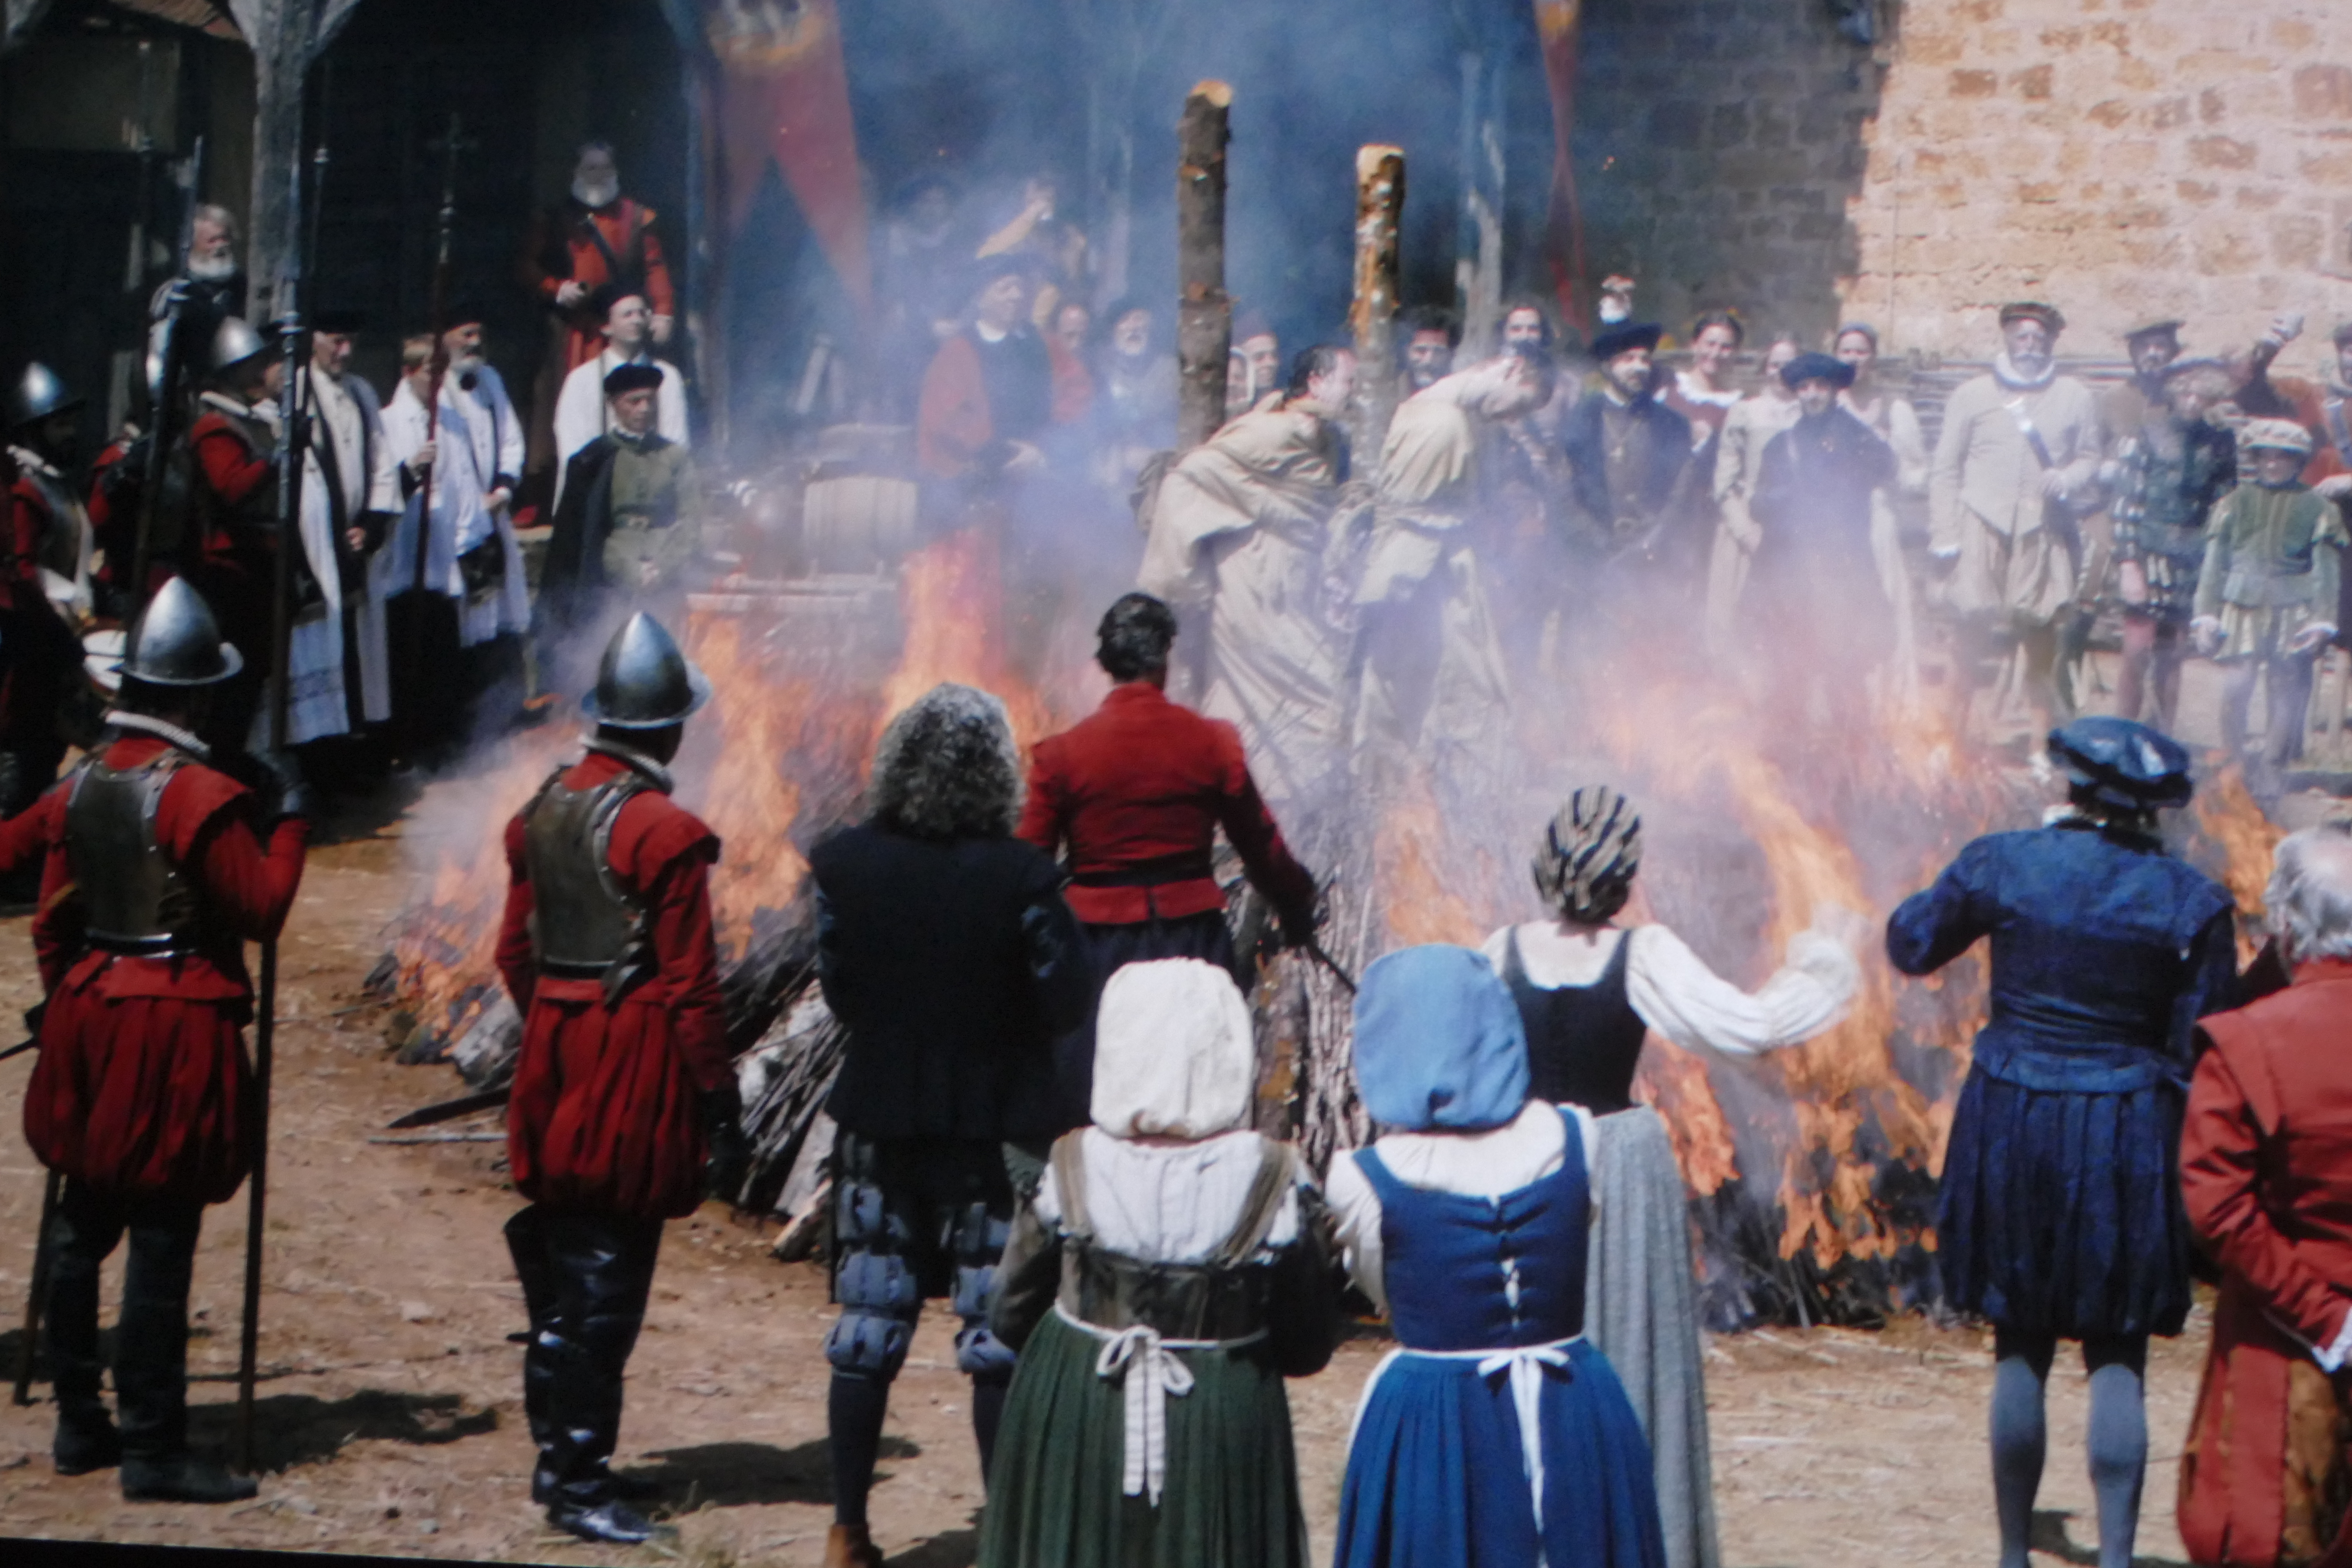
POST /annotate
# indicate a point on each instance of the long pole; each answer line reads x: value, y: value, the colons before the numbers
x: 1380, y: 207
x: 161, y: 416
x: 291, y: 451
x: 1204, y: 315
x: 43, y: 1254
x: 438, y: 324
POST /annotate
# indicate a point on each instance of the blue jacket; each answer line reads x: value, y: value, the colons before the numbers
x: 2106, y: 952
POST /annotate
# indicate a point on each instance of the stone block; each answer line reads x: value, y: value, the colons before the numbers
x: 2258, y: 198
x: 2034, y: 82
x: 2211, y: 109
x: 2168, y: 113
x: 1830, y: 226
x: 2109, y: 112
x: 1677, y: 124
x: 2137, y: 75
x: 2220, y: 152
x: 2323, y: 92
x: 2198, y: 191
x: 2220, y: 250
x: 1974, y: 84
x: 2298, y: 241
x: 1727, y: 125
x: 2062, y: 40
x: 2292, y: 33
x: 2327, y: 168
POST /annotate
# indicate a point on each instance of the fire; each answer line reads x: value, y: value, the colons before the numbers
x: 1409, y: 846
x: 952, y: 602
x: 2229, y: 817
x: 749, y: 801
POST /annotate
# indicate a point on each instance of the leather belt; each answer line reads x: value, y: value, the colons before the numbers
x: 1186, y: 867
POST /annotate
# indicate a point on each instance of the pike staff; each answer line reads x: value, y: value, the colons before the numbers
x: 171, y: 363
x: 438, y: 324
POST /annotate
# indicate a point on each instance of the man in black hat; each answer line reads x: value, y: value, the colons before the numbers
x: 1627, y: 454
x: 44, y: 583
x: 1817, y: 583
x: 989, y: 393
x: 629, y: 530
x: 2015, y: 466
x: 584, y: 409
x: 625, y: 1112
x: 339, y: 670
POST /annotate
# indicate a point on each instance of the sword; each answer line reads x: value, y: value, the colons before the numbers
x: 19, y: 1048
x: 450, y: 1109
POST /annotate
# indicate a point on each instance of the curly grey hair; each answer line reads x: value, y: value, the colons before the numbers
x: 948, y: 768
x: 2310, y: 892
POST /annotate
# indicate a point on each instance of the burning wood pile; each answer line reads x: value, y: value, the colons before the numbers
x: 1811, y: 1172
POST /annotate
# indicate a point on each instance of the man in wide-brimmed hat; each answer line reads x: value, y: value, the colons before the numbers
x: 2016, y: 465
x: 1626, y: 453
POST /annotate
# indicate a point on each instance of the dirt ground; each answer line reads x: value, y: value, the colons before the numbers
x: 390, y: 1406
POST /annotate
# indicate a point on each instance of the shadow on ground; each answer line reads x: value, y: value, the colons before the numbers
x: 956, y: 1548
x: 292, y: 1429
x: 734, y: 1475
x: 2048, y: 1534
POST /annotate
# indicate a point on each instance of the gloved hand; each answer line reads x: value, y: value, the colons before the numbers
x: 729, y: 1160
x: 293, y: 795
x: 1300, y: 927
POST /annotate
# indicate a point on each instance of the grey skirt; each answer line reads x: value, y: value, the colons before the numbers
x: 1641, y: 1310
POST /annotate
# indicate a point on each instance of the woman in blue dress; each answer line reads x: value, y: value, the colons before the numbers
x: 1496, y: 1436
x: 2061, y: 1213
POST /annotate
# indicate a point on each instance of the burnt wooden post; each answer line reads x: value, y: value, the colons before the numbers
x: 1380, y: 205
x: 1204, y: 316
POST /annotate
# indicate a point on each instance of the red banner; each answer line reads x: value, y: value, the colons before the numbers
x: 784, y: 94
x: 1563, y: 248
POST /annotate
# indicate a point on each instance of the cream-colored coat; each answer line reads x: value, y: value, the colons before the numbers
x: 2016, y: 547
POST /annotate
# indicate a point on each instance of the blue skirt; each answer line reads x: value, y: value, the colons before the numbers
x: 1436, y: 1477
x: 2061, y: 1209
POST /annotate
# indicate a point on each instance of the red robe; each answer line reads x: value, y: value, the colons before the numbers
x: 2266, y: 1172
x: 32, y: 678
x: 604, y: 1116
x: 560, y: 252
x: 1145, y: 780
x: 142, y: 1086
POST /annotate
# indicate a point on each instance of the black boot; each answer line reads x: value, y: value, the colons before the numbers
x: 600, y: 1270
x: 82, y: 1232
x: 182, y: 1478
x: 612, y: 1522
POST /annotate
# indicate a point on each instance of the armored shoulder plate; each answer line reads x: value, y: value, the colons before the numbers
x: 135, y: 899
x: 585, y: 926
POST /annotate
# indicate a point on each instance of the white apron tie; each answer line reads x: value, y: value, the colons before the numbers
x: 1150, y: 1371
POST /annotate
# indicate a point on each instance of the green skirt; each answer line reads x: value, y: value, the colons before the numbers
x: 1053, y: 1491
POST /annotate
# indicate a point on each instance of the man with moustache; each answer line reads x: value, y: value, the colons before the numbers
x: 2017, y: 460
x: 1627, y: 454
x: 593, y: 239
x: 1432, y: 334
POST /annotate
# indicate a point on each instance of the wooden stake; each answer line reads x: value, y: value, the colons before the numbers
x: 1380, y: 207
x: 1204, y: 315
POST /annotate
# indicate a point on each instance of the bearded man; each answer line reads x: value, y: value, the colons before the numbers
x: 2017, y: 460
x: 1432, y: 334
x: 211, y: 288
x: 350, y: 489
x: 1435, y: 679
x: 1240, y: 532
x: 1627, y: 455
x: 595, y: 237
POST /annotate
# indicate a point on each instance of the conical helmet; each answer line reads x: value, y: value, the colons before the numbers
x: 645, y: 682
x: 38, y: 394
x: 234, y: 342
x: 176, y: 641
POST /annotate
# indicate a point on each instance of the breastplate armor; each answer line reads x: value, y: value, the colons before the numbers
x: 585, y: 926
x: 135, y: 899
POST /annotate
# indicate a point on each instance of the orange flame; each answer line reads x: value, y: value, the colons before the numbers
x: 2228, y: 814
x: 951, y: 601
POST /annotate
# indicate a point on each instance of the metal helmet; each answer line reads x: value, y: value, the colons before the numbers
x: 234, y: 342
x: 38, y: 394
x: 176, y: 641
x: 645, y: 682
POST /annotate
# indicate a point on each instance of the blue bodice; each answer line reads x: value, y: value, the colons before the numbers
x: 1466, y: 1273
x: 2105, y: 951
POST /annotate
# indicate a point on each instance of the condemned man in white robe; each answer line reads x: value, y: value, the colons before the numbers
x: 1240, y: 528
x: 473, y: 594
x: 1434, y: 680
x: 351, y: 487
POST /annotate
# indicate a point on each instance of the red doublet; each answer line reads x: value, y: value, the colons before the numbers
x: 2266, y: 1172
x: 142, y: 1085
x: 1137, y: 791
x: 232, y: 471
x: 29, y: 681
x: 622, y: 222
x: 604, y: 1116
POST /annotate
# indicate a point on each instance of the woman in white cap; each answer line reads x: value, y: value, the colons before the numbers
x: 1171, y: 1270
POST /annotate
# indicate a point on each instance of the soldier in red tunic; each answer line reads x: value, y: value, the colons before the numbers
x: 1137, y: 792
x: 156, y: 877
x: 45, y: 549
x: 232, y: 506
x: 624, y: 1100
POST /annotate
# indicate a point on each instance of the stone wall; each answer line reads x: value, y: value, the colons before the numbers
x: 2120, y: 158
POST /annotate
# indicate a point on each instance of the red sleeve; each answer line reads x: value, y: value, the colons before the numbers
x: 1040, y: 809
x: 1073, y: 388
x: 659, y: 294
x: 665, y: 852
x: 518, y: 964
x: 230, y: 466
x: 25, y: 516
x: 253, y: 887
x: 2221, y: 1183
x: 534, y: 276
x: 25, y: 835
x: 56, y: 919
x: 1251, y: 829
x: 952, y: 424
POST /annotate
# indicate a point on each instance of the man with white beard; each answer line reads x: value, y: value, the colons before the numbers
x: 351, y: 487
x: 214, y: 284
x: 1239, y: 530
x: 1434, y: 678
x: 582, y: 413
x: 2017, y: 461
x: 473, y: 595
